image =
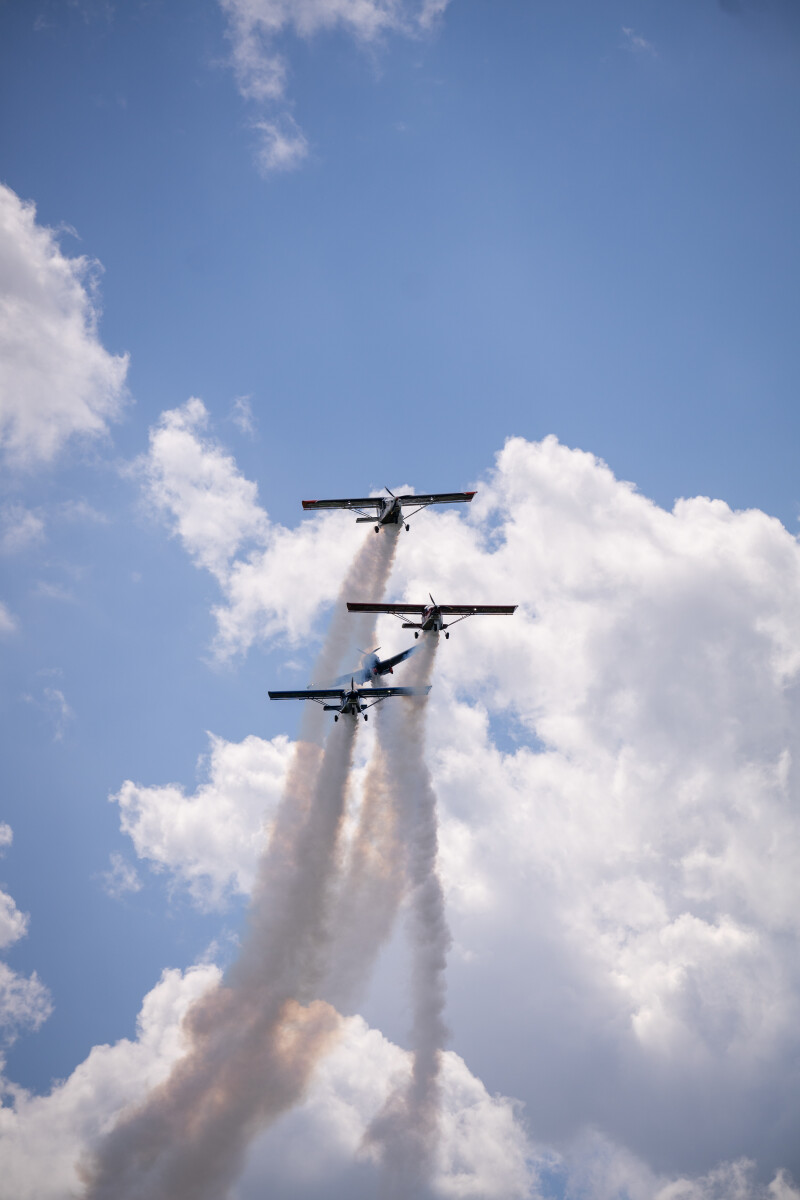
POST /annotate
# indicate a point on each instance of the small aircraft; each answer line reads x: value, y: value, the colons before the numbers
x: 390, y: 511
x: 431, y: 616
x: 373, y: 668
x: 350, y: 701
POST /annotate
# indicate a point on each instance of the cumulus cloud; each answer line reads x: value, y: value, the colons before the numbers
x: 616, y: 767
x: 255, y: 28
x: 211, y: 840
x: 57, y: 381
x: 24, y: 1001
x: 13, y: 923
x: 43, y: 1139
x: 274, y: 580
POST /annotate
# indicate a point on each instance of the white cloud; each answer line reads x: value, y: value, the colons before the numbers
x: 24, y: 1002
x: 121, y: 877
x: 281, y: 146
x: 19, y: 527
x: 13, y: 923
x: 42, y: 1138
x: 8, y: 622
x: 484, y: 1151
x: 274, y: 580
x: 53, y: 703
x: 212, y: 839
x: 242, y: 415
x: 636, y: 43
x: 619, y: 841
x: 319, y: 1148
x: 81, y: 510
x: 255, y: 28
x: 56, y: 379
x: 53, y: 591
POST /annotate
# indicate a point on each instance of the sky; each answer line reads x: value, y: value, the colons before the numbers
x: 256, y: 251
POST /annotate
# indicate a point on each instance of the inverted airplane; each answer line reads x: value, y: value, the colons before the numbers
x: 431, y: 616
x: 352, y: 701
x: 373, y: 668
x: 389, y: 511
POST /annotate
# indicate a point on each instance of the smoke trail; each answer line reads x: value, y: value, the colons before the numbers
x: 371, y: 889
x: 253, y: 1045
x: 407, y: 1127
x: 367, y: 577
x: 255, y: 1040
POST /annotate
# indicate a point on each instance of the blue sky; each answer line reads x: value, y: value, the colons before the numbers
x: 512, y: 220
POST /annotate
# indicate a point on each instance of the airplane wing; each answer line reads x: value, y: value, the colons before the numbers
x: 365, y: 502
x: 389, y: 663
x: 438, y: 498
x: 476, y: 610
x: 371, y: 692
x: 396, y: 609
x: 309, y: 694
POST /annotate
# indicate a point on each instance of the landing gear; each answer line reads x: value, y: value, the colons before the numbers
x: 336, y: 718
x: 366, y: 718
x: 408, y: 528
x: 377, y: 528
x: 447, y: 635
x: 416, y: 635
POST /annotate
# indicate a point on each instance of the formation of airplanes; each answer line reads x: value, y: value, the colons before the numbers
x: 356, y: 699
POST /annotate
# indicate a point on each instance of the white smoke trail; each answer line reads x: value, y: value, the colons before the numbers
x: 255, y: 1040
x: 407, y: 1128
x: 371, y: 889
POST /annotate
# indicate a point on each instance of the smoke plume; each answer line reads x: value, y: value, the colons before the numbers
x: 256, y: 1038
x: 407, y: 1127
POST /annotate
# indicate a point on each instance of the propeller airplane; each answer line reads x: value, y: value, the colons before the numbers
x: 352, y: 701
x: 431, y: 616
x: 390, y: 511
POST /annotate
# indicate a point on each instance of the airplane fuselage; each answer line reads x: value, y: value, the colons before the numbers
x: 350, y: 706
x: 430, y: 621
x: 391, y: 512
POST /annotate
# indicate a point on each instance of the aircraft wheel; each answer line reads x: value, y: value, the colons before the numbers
x: 447, y: 635
x: 336, y: 718
x: 366, y: 718
x: 416, y: 635
x: 408, y: 527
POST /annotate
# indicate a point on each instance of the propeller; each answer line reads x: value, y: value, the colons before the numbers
x: 389, y: 490
x: 366, y: 653
x: 433, y: 602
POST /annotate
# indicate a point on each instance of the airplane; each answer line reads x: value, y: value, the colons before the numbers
x: 350, y: 700
x: 390, y: 511
x: 431, y: 615
x: 372, y: 667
